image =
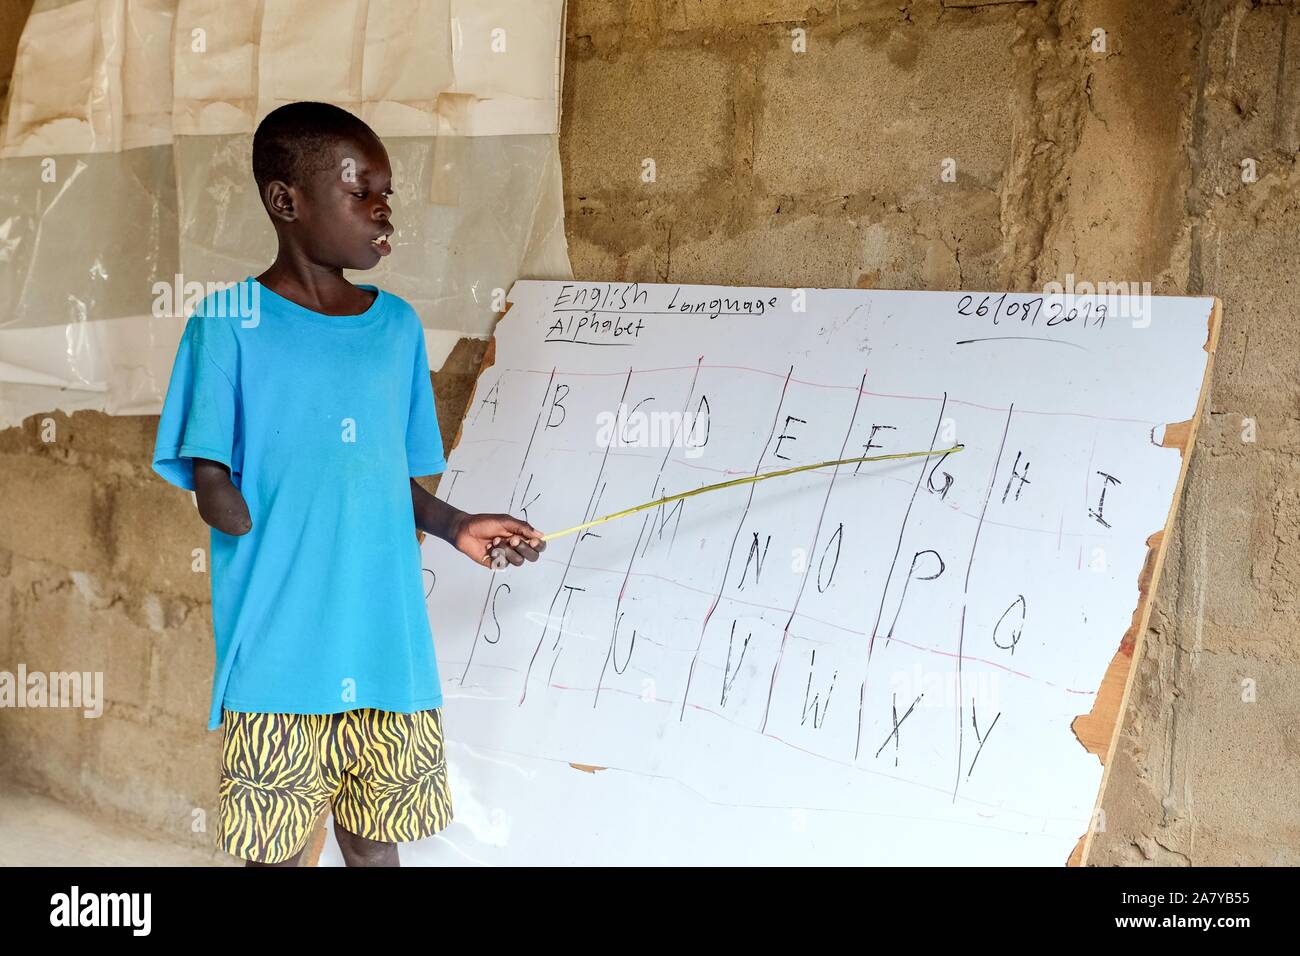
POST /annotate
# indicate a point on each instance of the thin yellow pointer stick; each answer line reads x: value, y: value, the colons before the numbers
x: 751, y: 478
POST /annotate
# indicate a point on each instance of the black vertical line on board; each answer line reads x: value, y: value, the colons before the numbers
x: 559, y: 633
x: 595, y: 506
x: 965, y: 590
x: 898, y: 547
x: 663, y: 462
x: 568, y: 562
x: 722, y: 586
x: 686, y: 407
x: 523, y: 463
x: 654, y: 491
x: 546, y: 396
x: 862, y: 693
x: 785, y: 633
x: 618, y: 605
x: 451, y: 486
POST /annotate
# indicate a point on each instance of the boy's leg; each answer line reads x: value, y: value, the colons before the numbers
x: 277, y: 773
x: 359, y: 851
x: 295, y: 860
x: 397, y: 790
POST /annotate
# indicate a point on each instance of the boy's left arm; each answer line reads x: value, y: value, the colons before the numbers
x: 488, y: 539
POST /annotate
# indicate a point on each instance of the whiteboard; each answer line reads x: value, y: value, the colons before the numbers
x: 872, y: 663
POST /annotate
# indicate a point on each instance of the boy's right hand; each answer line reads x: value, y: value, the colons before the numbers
x: 497, y: 540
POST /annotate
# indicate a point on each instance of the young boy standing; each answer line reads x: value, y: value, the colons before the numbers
x: 299, y: 411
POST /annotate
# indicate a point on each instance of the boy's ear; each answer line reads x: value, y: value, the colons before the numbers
x: 280, y: 201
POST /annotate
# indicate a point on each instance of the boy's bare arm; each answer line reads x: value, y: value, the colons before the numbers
x: 220, y: 503
x: 488, y: 539
x: 432, y: 515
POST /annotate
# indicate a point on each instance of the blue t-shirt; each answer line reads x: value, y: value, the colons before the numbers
x: 322, y: 420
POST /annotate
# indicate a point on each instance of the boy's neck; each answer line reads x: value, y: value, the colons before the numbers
x: 316, y: 287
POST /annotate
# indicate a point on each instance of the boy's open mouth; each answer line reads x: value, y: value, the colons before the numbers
x: 380, y: 242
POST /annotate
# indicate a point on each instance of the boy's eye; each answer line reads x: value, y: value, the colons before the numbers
x: 360, y: 195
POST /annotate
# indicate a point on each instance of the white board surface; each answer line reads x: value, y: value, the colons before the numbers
x: 857, y: 664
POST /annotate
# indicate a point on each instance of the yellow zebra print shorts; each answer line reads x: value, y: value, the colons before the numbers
x: 383, y: 774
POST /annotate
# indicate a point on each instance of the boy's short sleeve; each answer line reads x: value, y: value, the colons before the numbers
x: 423, y: 438
x: 200, y: 415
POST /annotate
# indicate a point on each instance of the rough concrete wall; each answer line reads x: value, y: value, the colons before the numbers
x: 97, y: 556
x: 1204, y: 775
x: 822, y: 169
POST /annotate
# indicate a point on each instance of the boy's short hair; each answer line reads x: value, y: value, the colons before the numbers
x: 292, y: 142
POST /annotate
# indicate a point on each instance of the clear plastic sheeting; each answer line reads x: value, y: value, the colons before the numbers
x: 472, y: 214
x: 91, y: 76
x: 79, y: 256
x: 416, y: 68
x: 126, y: 183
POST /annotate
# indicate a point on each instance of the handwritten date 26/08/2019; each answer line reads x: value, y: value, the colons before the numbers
x: 1088, y: 313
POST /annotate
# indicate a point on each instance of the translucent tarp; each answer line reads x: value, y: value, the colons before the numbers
x: 125, y: 180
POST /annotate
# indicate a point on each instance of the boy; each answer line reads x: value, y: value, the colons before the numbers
x: 299, y: 411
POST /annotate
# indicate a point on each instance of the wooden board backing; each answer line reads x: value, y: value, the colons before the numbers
x: 1098, y: 730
